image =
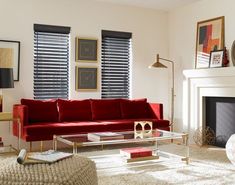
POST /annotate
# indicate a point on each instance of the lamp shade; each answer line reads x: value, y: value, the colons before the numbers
x: 158, y: 65
x: 6, y: 78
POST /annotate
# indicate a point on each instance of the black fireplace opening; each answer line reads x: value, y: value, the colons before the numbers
x: 220, y: 117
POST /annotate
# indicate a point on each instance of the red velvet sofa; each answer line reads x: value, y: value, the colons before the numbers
x: 40, y: 120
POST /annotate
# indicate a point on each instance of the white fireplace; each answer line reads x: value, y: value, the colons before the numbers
x: 200, y: 83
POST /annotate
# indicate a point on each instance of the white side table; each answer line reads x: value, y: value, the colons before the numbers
x: 8, y: 116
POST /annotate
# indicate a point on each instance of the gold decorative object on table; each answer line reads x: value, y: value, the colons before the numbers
x: 204, y: 136
x: 143, y: 129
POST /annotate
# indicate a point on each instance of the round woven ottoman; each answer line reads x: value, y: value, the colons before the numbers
x: 76, y: 170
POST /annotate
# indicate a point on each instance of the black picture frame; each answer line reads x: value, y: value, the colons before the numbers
x: 86, y: 50
x: 216, y: 58
x: 15, y: 45
x: 86, y: 78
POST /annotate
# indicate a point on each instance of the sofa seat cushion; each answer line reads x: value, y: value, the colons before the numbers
x: 41, y: 111
x: 135, y: 109
x: 64, y: 128
x: 74, y: 110
x: 105, y: 109
x: 128, y: 124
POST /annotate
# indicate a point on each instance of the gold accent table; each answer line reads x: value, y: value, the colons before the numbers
x: 8, y: 117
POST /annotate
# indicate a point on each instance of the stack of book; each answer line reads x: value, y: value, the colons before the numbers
x: 138, y: 154
x: 1, y: 142
x: 104, y: 136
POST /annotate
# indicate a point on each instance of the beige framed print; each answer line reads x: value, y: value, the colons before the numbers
x: 11, y: 49
x: 86, y: 50
x: 210, y: 37
x: 86, y: 78
x: 216, y: 58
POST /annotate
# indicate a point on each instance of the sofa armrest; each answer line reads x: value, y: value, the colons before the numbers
x: 156, y: 110
x: 19, y: 112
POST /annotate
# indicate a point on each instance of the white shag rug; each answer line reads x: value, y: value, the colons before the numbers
x: 208, y: 165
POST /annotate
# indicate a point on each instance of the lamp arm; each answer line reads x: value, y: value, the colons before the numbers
x: 166, y: 60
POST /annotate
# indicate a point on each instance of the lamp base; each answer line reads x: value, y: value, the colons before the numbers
x: 0, y: 103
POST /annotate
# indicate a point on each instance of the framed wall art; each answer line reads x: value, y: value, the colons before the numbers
x: 216, y: 58
x: 14, y: 46
x: 210, y: 37
x: 86, y: 50
x: 86, y: 78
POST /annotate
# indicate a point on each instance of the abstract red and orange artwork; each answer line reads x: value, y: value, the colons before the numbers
x: 210, y: 37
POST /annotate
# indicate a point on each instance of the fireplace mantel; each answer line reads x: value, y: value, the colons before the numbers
x: 199, y: 83
x: 210, y: 72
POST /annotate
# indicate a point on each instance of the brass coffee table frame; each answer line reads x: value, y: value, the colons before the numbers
x: 167, y: 136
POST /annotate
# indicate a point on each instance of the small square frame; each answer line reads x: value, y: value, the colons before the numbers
x: 86, y: 78
x: 86, y: 50
x: 216, y: 58
x: 15, y: 45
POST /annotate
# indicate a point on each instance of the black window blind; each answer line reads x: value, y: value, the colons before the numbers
x: 51, y: 61
x: 115, y: 65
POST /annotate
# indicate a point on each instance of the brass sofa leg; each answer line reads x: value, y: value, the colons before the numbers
x: 41, y: 146
x: 30, y: 146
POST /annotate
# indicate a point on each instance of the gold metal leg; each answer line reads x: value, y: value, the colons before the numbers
x: 30, y: 146
x: 54, y: 143
x: 184, y: 139
x: 41, y: 146
x: 186, y: 159
x: 74, y: 148
x: 19, y: 132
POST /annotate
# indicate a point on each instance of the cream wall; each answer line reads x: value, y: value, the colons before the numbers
x: 87, y: 19
x: 182, y: 38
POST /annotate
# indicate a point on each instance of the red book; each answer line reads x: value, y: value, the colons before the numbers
x: 157, y: 133
x: 136, y: 152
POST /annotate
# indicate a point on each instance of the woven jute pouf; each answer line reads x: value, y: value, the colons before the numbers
x: 76, y: 170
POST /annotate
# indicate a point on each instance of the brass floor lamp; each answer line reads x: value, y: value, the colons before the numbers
x: 158, y: 64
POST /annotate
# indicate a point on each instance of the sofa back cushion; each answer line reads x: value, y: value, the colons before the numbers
x: 134, y: 108
x: 74, y: 110
x: 105, y: 109
x: 41, y: 111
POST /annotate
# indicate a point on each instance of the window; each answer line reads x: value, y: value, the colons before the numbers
x: 115, y: 65
x: 51, y: 59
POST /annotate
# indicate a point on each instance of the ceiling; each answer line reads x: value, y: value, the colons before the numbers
x: 155, y: 4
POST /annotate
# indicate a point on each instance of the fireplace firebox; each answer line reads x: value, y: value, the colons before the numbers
x: 220, y: 117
